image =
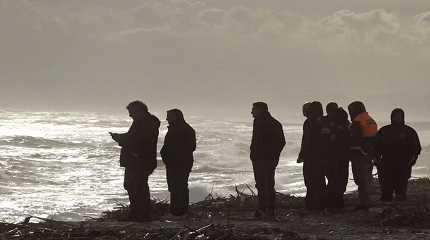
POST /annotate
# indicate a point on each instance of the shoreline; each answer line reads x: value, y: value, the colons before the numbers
x: 231, y: 218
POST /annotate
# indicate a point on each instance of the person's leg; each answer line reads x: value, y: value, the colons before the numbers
x: 132, y: 213
x: 315, y: 185
x: 387, y: 181
x: 308, y: 183
x: 143, y: 199
x: 360, y: 169
x: 172, y: 184
x: 186, y: 193
x: 269, y: 190
x: 318, y: 186
x: 259, y: 183
x: 331, y: 174
x: 321, y: 187
x: 182, y: 193
x: 366, y: 169
x: 343, y: 182
x: 130, y: 187
x: 401, y: 182
x: 355, y: 170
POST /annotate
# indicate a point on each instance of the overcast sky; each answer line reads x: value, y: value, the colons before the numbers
x: 214, y: 55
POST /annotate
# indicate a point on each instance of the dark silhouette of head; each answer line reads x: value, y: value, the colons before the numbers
x: 355, y: 108
x: 341, y: 116
x: 174, y: 116
x: 316, y: 110
x: 137, y: 109
x: 398, y: 117
x: 305, y: 109
x: 259, y: 109
x: 331, y: 109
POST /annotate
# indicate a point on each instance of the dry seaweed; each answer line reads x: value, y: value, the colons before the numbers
x: 60, y: 230
x: 231, y: 207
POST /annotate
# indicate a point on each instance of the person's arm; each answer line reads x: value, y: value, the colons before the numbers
x: 415, y: 147
x: 306, y: 140
x: 123, y: 138
x: 127, y: 139
x: 193, y: 143
x: 281, y: 140
x: 255, y: 142
x: 378, y: 147
x: 300, y: 158
x: 164, y: 152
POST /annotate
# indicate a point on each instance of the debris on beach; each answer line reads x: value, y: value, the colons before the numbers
x: 231, y: 217
x: 90, y: 231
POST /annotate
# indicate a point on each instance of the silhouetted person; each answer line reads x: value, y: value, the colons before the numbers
x: 328, y: 132
x: 363, y: 132
x: 268, y: 140
x: 398, y: 147
x: 139, y: 157
x: 177, y: 154
x: 313, y: 148
x: 306, y: 114
x: 336, y: 131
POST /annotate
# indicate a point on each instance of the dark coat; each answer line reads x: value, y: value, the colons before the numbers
x: 314, y: 143
x: 398, y: 145
x: 179, y: 145
x: 336, y: 136
x: 313, y: 147
x: 268, y: 139
x: 139, y: 144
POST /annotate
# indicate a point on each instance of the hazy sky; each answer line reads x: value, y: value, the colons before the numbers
x: 214, y: 55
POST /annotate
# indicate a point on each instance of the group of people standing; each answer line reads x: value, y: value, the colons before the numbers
x: 139, y: 158
x: 329, y: 143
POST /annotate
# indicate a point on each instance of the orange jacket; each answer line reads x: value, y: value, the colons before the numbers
x: 369, y: 127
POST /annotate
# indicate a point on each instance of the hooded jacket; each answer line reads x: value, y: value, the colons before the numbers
x: 179, y: 145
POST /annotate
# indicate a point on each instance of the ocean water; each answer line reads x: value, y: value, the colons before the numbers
x: 65, y: 165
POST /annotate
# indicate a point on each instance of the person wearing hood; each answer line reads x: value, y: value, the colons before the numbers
x: 177, y: 155
x: 397, y: 147
x: 267, y: 143
x: 313, y: 148
x: 139, y: 157
x: 363, y: 132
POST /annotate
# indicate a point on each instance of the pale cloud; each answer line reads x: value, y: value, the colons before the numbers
x: 373, y: 31
x: 348, y: 31
x: 422, y: 27
x: 212, y: 17
x: 232, y: 47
